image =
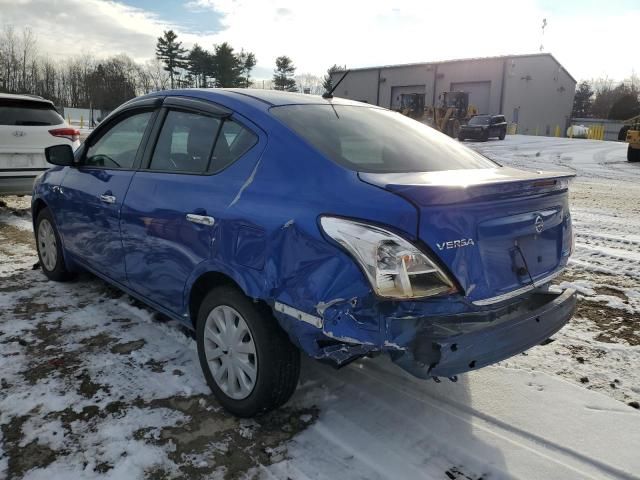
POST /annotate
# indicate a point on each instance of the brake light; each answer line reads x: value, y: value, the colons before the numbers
x: 68, y: 133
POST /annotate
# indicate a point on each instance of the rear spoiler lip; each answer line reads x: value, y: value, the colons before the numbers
x: 447, y: 178
x: 423, y: 190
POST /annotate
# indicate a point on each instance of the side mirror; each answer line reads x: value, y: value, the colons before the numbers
x: 59, y: 155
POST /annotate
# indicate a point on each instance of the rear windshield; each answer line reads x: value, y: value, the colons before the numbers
x: 375, y: 140
x: 25, y: 112
x: 479, y: 121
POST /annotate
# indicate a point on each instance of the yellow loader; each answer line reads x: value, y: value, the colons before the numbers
x: 631, y: 134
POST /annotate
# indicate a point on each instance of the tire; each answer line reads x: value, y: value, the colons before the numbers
x: 49, y: 248
x: 503, y: 133
x: 622, y: 134
x: 633, y: 154
x: 461, y: 138
x: 455, y: 128
x: 485, y: 136
x: 275, y: 363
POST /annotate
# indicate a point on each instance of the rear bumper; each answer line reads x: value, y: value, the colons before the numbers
x: 473, y: 133
x: 433, y: 353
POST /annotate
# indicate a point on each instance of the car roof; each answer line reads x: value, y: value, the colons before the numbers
x: 265, y: 97
x: 32, y: 98
x: 278, y: 97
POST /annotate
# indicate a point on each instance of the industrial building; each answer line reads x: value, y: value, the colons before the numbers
x: 533, y: 91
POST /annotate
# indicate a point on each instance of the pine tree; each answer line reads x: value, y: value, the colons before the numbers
x: 247, y: 62
x: 283, y: 75
x: 171, y: 53
x: 583, y: 100
x: 227, y: 67
x: 327, y: 82
x: 199, y: 65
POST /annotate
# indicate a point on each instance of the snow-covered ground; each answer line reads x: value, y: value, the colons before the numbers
x: 95, y: 386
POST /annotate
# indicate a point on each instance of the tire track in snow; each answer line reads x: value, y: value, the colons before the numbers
x: 381, y: 423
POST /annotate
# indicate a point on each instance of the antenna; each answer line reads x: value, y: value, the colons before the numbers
x: 544, y: 25
x: 329, y: 94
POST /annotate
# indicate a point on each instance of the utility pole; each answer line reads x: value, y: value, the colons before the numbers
x: 544, y: 25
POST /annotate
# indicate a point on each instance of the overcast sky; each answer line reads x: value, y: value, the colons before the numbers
x: 590, y: 38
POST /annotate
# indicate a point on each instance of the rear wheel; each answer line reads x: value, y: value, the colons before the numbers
x: 49, y: 248
x: 622, y: 134
x: 633, y: 154
x: 247, y: 359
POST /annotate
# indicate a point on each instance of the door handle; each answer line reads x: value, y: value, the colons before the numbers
x: 107, y: 198
x: 200, y: 219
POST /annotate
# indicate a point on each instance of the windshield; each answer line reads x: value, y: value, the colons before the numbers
x: 479, y: 121
x: 376, y: 140
x: 25, y: 112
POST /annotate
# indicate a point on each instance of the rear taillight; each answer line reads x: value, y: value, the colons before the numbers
x: 68, y: 133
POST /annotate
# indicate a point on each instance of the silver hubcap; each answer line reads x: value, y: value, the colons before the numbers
x: 47, y: 245
x: 230, y: 352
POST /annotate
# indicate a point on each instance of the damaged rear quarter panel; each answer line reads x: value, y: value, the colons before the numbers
x: 270, y: 243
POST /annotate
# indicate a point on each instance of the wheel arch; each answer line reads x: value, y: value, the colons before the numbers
x: 37, y: 206
x: 204, y: 282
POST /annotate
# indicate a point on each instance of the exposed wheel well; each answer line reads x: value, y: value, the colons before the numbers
x: 202, y: 286
x: 37, y: 208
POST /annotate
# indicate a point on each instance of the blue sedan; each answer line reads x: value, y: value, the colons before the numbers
x: 272, y: 222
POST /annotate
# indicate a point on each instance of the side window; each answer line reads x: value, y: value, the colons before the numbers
x: 233, y: 142
x: 117, y: 148
x: 185, y: 142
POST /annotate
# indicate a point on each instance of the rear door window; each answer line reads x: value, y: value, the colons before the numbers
x: 28, y: 113
x: 185, y: 143
x: 233, y: 142
x: 118, y: 147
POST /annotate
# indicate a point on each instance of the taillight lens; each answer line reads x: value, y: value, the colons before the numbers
x: 68, y: 133
x: 395, y: 268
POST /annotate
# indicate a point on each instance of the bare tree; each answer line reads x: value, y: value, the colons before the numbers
x: 310, y: 82
x: 154, y: 69
x: 27, y: 53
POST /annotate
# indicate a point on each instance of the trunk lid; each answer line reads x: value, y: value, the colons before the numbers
x: 497, y: 230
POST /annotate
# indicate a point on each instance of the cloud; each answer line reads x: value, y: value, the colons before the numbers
x: 376, y: 32
x: 355, y: 33
x: 72, y: 27
x: 76, y: 26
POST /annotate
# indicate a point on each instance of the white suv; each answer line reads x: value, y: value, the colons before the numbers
x: 28, y: 124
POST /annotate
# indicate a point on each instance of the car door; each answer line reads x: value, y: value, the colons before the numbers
x: 494, y: 129
x: 93, y: 191
x: 175, y: 200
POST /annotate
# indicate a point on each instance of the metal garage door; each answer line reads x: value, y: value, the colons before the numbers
x: 479, y: 93
x: 397, y: 91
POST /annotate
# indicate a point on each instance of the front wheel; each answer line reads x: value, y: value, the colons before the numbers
x: 633, y: 154
x: 248, y: 361
x: 49, y: 248
x: 503, y: 133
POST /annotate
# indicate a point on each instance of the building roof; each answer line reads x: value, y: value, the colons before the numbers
x: 470, y: 59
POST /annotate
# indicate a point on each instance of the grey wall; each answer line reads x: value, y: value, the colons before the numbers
x: 537, y: 91
x: 481, y: 70
x: 611, y: 127
x: 403, y: 76
x: 360, y: 85
x: 542, y: 93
